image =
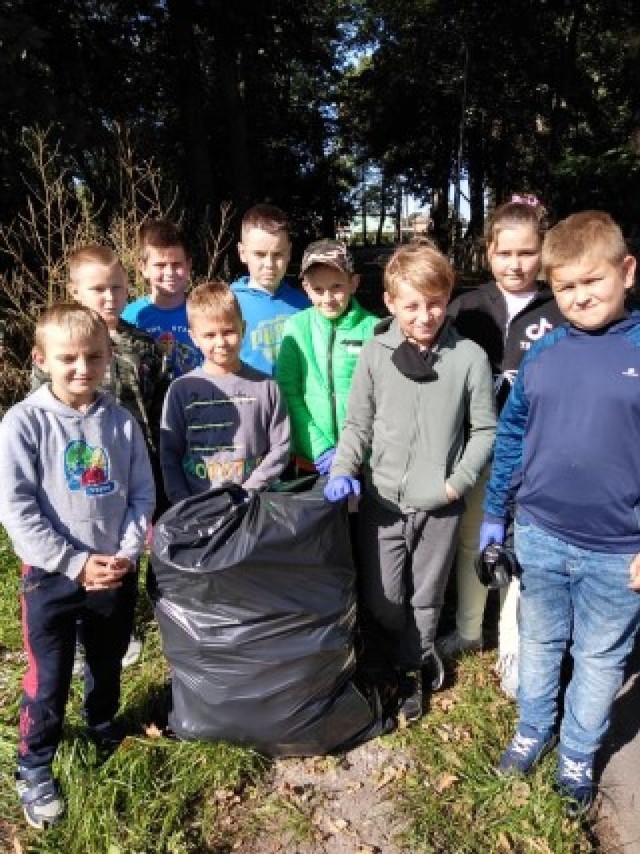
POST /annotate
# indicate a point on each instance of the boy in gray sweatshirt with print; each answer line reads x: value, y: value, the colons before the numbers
x: 224, y: 422
x: 76, y: 501
x: 420, y: 423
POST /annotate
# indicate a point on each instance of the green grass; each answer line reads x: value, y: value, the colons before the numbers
x: 152, y: 795
x: 157, y: 795
x: 456, y: 801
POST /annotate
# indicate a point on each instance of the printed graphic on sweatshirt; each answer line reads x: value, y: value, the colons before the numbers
x: 535, y: 331
x: 215, y: 452
x: 267, y: 337
x: 182, y: 357
x: 210, y: 468
x: 87, y: 469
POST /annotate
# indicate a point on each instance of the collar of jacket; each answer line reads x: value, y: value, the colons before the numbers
x: 347, y: 320
x: 388, y: 332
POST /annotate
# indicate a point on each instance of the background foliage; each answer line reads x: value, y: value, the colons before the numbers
x: 292, y: 102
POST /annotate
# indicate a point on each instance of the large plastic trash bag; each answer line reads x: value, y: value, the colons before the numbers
x: 255, y: 599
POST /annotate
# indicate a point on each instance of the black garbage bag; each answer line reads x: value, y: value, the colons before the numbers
x: 255, y: 599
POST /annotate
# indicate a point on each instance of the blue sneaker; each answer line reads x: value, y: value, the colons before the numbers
x: 527, y: 748
x: 575, y: 780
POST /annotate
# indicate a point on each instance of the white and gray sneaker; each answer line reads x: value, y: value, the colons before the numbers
x: 42, y: 802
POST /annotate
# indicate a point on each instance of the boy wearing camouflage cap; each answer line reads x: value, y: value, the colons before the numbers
x: 319, y: 352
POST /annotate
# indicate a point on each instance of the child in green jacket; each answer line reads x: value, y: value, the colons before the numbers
x: 319, y: 352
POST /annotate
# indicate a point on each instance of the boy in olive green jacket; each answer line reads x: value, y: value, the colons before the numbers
x: 319, y: 352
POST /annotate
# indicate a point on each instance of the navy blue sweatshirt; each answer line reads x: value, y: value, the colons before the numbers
x: 568, y: 439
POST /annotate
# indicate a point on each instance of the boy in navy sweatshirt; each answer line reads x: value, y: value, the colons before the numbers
x: 76, y: 502
x: 568, y: 442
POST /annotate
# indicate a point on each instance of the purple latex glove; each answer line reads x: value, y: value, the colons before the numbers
x: 490, y: 532
x: 323, y: 462
x: 341, y: 487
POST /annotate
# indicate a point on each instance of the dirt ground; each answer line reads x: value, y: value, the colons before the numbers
x: 339, y: 804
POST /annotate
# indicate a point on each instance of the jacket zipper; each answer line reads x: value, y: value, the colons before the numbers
x: 332, y: 391
x: 412, y: 445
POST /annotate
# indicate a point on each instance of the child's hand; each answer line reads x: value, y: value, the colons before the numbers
x: 341, y: 487
x: 323, y: 462
x: 104, y: 572
x: 450, y: 492
x: 490, y: 532
x: 634, y: 574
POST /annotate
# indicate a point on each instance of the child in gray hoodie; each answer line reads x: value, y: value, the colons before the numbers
x: 77, y: 498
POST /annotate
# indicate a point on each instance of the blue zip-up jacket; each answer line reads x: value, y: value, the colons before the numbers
x: 568, y: 439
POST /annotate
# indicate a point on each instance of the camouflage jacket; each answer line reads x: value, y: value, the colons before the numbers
x: 137, y: 377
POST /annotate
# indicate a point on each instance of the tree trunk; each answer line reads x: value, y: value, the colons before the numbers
x: 475, y: 159
x: 383, y: 209
x: 191, y: 99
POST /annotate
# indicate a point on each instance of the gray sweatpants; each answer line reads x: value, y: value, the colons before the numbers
x: 406, y: 561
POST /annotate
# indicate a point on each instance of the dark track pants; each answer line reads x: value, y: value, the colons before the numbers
x: 405, y: 563
x: 54, y: 608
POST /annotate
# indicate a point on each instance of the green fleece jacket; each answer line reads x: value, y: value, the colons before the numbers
x: 412, y: 437
x: 314, y: 369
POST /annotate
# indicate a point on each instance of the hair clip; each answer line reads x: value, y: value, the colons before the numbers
x: 527, y: 199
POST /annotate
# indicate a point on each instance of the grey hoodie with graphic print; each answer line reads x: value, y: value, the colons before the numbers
x: 73, y: 483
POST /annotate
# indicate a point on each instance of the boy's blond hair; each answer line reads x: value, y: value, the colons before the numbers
x: 421, y: 265
x: 91, y: 253
x: 213, y: 299
x: 160, y: 234
x: 584, y: 234
x: 266, y: 217
x: 72, y: 317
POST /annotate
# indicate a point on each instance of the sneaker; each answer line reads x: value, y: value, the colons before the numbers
x: 411, y: 705
x: 42, y: 803
x: 507, y: 670
x: 132, y: 655
x: 108, y: 736
x: 433, y: 672
x: 575, y: 781
x: 453, y: 645
x: 527, y: 748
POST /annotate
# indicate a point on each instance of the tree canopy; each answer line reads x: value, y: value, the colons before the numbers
x: 290, y: 102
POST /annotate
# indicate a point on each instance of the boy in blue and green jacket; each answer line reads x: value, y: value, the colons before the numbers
x: 319, y: 352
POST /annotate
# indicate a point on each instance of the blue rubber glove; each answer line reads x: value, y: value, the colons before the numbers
x: 490, y: 532
x: 341, y: 487
x: 323, y: 462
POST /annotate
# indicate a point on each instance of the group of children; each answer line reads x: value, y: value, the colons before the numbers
x: 250, y: 382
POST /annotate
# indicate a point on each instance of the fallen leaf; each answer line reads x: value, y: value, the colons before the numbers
x: 520, y: 791
x: 504, y: 843
x: 541, y: 845
x: 446, y: 781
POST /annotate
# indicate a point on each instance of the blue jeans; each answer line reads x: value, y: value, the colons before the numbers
x: 577, y: 598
